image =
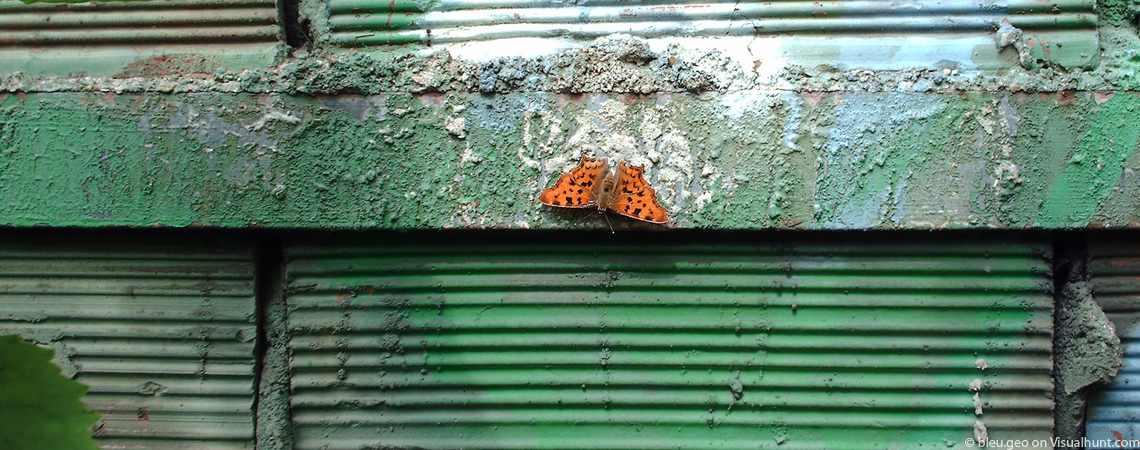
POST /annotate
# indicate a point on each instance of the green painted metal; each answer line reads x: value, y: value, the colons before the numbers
x: 746, y: 160
x: 482, y: 343
x: 134, y: 38
x: 162, y: 333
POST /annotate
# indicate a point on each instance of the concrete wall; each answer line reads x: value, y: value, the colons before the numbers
x: 441, y: 137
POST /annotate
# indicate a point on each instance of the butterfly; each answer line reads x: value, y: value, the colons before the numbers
x: 591, y: 184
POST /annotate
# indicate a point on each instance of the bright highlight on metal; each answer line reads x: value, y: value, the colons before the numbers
x: 442, y: 345
x: 360, y: 23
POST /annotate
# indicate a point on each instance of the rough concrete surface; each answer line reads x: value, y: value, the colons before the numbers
x: 738, y: 160
x: 445, y: 136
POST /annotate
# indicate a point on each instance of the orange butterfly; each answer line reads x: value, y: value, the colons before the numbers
x: 592, y: 184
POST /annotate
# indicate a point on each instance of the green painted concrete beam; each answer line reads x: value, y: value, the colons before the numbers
x: 737, y: 160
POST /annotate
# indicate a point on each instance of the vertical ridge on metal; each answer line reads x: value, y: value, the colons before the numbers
x: 162, y: 333
x: 1114, y: 272
x: 715, y: 344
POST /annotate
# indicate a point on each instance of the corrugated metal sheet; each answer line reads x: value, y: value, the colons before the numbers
x: 135, y: 23
x: 402, y: 21
x: 659, y: 345
x: 1114, y: 269
x: 163, y: 334
x: 903, y: 28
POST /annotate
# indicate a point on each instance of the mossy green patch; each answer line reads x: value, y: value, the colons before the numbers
x: 1118, y: 12
x: 39, y: 408
x: 1039, y: 130
x: 1094, y: 168
x: 874, y: 145
x: 392, y: 170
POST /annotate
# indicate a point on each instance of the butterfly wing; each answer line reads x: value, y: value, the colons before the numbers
x: 634, y: 197
x: 579, y: 188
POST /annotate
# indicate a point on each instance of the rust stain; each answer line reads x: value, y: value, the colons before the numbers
x: 162, y: 65
x: 565, y: 99
x: 432, y: 99
x: 1066, y: 97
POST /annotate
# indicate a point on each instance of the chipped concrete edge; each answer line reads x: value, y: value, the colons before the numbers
x: 1087, y: 351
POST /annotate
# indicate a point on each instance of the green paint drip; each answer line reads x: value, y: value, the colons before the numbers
x: 1095, y: 166
x: 39, y: 408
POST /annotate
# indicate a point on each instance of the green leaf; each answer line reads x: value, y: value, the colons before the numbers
x: 40, y: 409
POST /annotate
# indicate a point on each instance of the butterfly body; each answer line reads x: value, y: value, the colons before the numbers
x: 592, y: 185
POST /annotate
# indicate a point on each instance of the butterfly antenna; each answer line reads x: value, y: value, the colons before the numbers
x: 587, y: 217
x: 608, y: 223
